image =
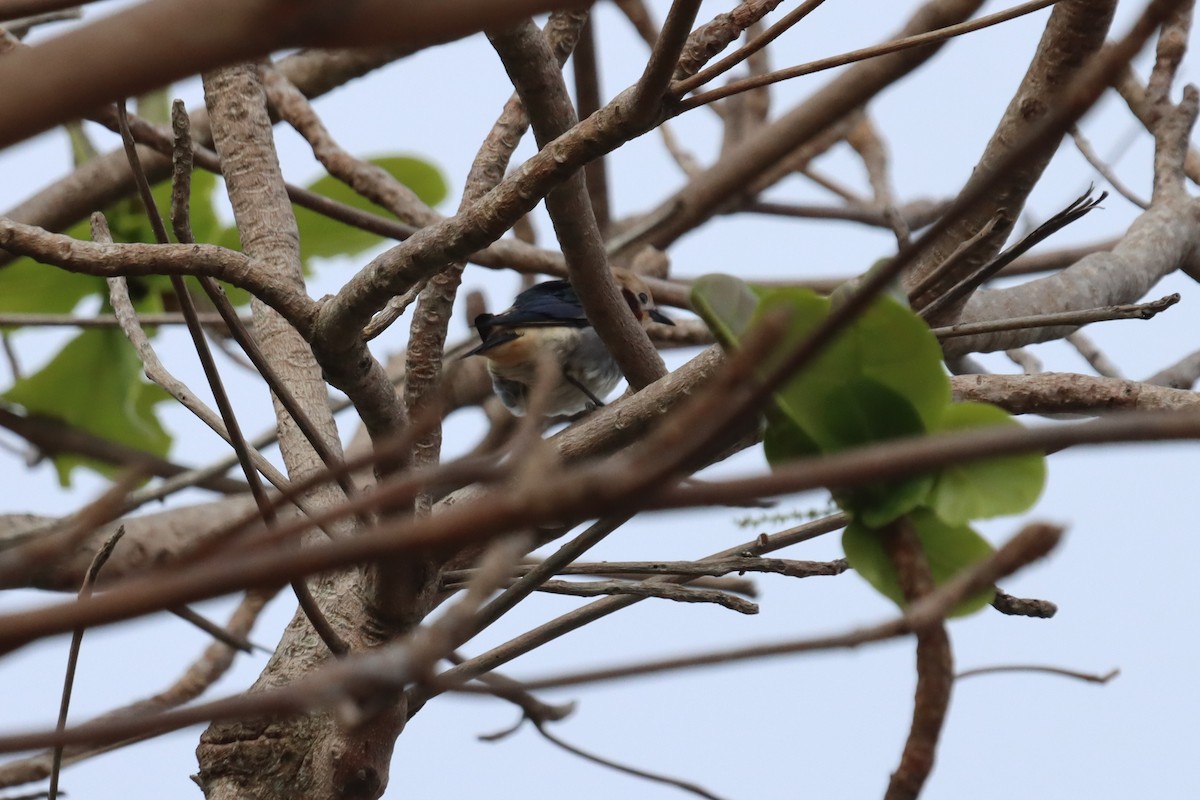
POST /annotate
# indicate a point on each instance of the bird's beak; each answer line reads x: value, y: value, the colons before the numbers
x: 659, y: 316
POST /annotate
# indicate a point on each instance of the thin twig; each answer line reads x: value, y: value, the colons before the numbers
x: 1089, y: 677
x: 228, y: 416
x: 587, y: 96
x: 1092, y: 353
x: 213, y: 663
x: 917, y: 214
x: 1027, y: 361
x: 687, y: 786
x: 231, y: 640
x: 1106, y: 172
x: 1082, y: 317
x: 682, y: 87
x: 1032, y: 543
x: 1078, y: 208
x: 85, y: 590
x: 528, y: 583
x: 680, y: 594
x: 55, y: 436
x: 652, y: 86
x: 18, y: 319
x: 940, y: 35
x: 955, y: 258
x: 182, y: 156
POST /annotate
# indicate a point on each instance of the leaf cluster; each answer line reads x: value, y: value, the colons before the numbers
x: 95, y: 381
x: 881, y: 378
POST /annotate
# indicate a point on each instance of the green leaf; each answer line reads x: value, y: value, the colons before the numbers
x: 95, y: 383
x: 727, y: 306
x: 989, y: 488
x: 878, y: 504
x: 888, y: 344
x: 875, y: 504
x: 948, y: 548
x: 29, y: 287
x: 784, y: 440
x: 323, y: 237
x: 155, y: 106
x: 850, y: 413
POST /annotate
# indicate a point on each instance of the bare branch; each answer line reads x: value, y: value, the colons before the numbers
x: 152, y: 44
x: 1055, y: 85
x: 1093, y: 158
x: 1030, y: 544
x: 762, y: 151
x: 646, y: 99
x: 687, y: 786
x: 213, y: 663
x: 894, y: 46
x: 1023, y: 607
x: 1094, y: 355
x: 714, y: 36
x: 1068, y: 393
x: 538, y: 80
x: 1087, y: 677
x: 751, y: 14
x: 73, y: 656
x: 127, y: 260
x: 935, y: 665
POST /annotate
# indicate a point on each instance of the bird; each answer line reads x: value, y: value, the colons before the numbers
x: 548, y: 318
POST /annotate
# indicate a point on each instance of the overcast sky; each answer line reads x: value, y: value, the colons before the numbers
x: 826, y: 725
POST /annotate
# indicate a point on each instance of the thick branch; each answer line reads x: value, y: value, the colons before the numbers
x: 741, y: 167
x: 539, y: 82
x: 1076, y: 30
x: 112, y: 260
x: 154, y: 43
x: 1068, y: 393
x: 1158, y: 242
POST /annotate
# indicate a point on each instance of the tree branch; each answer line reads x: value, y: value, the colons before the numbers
x: 1075, y: 31
x: 539, y: 82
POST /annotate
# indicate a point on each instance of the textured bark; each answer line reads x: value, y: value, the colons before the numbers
x: 1159, y: 242
x: 1076, y: 31
x: 309, y: 756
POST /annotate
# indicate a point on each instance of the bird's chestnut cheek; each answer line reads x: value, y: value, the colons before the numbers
x: 632, y: 301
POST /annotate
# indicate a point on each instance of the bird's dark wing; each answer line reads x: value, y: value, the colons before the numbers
x: 490, y: 340
x: 549, y: 303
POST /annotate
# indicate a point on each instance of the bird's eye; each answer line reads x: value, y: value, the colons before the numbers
x: 645, y: 298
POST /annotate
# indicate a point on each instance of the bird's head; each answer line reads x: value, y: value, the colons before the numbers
x: 641, y: 301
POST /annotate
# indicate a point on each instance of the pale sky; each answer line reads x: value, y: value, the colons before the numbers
x: 826, y: 725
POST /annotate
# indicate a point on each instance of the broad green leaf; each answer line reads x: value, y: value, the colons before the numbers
x: 878, y: 504
x: 95, y: 383
x: 784, y: 440
x: 859, y: 412
x: 850, y: 413
x: 155, y: 106
x: 323, y: 237
x: 894, y: 288
x: 726, y: 305
x: 888, y: 344
x: 29, y: 287
x: 948, y: 548
x: 989, y: 488
x: 875, y: 505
